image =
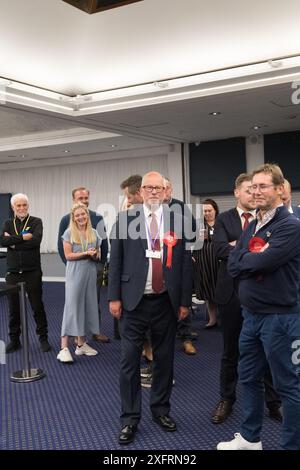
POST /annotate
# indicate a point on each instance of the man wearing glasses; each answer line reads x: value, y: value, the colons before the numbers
x: 228, y: 229
x: 150, y: 287
x: 266, y: 262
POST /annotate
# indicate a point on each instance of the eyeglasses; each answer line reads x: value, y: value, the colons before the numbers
x: 260, y: 187
x: 149, y: 188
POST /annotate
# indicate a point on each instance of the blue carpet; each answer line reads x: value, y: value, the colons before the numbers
x: 77, y: 407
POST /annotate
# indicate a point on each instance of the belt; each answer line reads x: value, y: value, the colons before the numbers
x: 154, y: 296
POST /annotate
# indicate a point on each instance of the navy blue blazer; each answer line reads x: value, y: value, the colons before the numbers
x: 128, y: 267
x: 228, y: 228
x: 97, y: 223
x: 296, y: 211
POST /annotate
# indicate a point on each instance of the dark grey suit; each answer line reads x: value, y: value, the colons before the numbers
x: 128, y: 272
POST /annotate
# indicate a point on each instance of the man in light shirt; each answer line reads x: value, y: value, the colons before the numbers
x: 150, y: 286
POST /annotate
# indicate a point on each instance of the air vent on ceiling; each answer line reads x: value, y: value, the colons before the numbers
x: 95, y: 6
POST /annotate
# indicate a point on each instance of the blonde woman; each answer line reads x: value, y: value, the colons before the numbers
x: 82, y: 249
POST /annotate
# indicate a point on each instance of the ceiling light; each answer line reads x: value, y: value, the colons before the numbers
x: 275, y: 63
x: 66, y: 151
x: 214, y: 113
x: 113, y: 146
x: 174, y: 89
x: 161, y: 85
x: 255, y: 128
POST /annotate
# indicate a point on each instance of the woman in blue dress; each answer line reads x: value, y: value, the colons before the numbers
x: 82, y: 250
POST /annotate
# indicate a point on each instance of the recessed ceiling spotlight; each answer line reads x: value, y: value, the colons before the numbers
x: 22, y: 156
x: 113, y: 146
x: 66, y: 151
x: 161, y: 84
x: 214, y: 113
x: 255, y: 128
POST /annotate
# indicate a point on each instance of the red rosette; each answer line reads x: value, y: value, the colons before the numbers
x: 256, y: 244
x: 170, y: 239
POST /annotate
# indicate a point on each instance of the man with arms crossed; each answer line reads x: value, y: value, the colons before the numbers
x: 228, y: 229
x: 266, y: 261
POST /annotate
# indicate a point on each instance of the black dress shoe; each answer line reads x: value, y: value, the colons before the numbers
x: 45, y: 346
x: 276, y: 413
x: 13, y: 346
x: 127, y: 434
x: 221, y: 413
x: 166, y: 423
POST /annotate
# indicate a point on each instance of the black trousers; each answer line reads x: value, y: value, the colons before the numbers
x: 156, y: 313
x: 231, y: 321
x: 33, y: 286
x: 184, y: 328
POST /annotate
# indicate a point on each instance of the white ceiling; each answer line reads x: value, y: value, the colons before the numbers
x: 52, y: 45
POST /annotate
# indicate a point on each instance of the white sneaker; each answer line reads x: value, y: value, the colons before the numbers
x: 85, y: 349
x: 197, y: 301
x: 64, y: 355
x: 239, y: 443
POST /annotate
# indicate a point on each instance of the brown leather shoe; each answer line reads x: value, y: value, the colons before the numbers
x: 189, y: 348
x: 101, y: 338
x: 222, y: 411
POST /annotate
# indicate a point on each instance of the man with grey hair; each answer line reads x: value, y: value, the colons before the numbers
x: 150, y: 286
x: 22, y: 236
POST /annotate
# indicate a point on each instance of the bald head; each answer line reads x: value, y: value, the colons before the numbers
x: 153, y: 189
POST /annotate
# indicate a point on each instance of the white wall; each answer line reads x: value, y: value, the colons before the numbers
x: 49, y: 187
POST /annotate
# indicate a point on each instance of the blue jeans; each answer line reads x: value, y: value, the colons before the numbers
x: 271, y: 338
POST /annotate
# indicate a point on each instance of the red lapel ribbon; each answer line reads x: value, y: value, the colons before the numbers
x: 170, y: 239
x: 256, y: 244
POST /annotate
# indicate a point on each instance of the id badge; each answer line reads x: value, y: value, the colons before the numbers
x: 152, y: 254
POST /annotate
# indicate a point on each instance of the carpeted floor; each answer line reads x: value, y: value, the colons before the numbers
x: 77, y: 406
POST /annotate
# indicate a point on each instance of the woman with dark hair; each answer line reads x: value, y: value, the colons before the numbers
x: 206, y: 263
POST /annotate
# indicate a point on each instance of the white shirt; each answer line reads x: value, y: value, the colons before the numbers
x: 241, y: 211
x: 160, y: 223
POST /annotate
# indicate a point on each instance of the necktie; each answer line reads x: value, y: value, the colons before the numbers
x: 157, y: 272
x: 246, y: 216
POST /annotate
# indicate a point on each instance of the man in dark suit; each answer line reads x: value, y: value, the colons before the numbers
x: 287, y: 199
x: 228, y: 229
x: 150, y: 286
x: 184, y: 327
x: 81, y: 195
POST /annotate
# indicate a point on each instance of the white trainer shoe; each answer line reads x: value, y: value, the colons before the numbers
x: 85, y: 349
x: 64, y: 355
x: 239, y: 443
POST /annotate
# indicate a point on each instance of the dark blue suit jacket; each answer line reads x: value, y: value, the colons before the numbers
x: 97, y: 223
x: 128, y: 267
x: 296, y: 211
x: 228, y: 228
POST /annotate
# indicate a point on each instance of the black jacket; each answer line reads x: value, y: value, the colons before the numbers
x: 228, y: 228
x: 22, y: 255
